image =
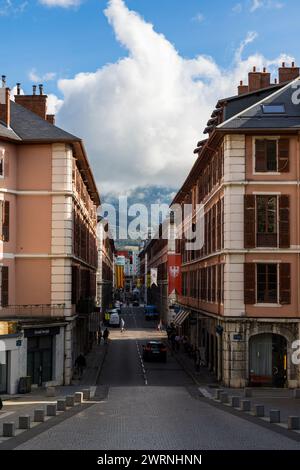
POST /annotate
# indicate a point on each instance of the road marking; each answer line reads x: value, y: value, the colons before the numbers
x: 205, y: 392
x: 139, y: 354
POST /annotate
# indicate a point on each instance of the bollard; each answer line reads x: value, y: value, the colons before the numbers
x: 51, y: 409
x: 297, y: 393
x: 50, y: 392
x: 218, y: 392
x: 247, y: 392
x: 235, y: 402
x: 61, y: 405
x: 70, y: 401
x: 9, y: 429
x: 78, y: 397
x: 294, y: 422
x: 259, y: 411
x: 274, y: 416
x: 39, y: 416
x: 246, y: 405
x: 224, y: 397
x: 24, y: 422
x: 86, y: 394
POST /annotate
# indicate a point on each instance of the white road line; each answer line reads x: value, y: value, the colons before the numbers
x: 205, y: 392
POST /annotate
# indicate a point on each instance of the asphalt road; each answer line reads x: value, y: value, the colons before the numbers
x: 152, y: 406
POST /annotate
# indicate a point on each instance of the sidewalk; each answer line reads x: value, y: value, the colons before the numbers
x: 17, y: 405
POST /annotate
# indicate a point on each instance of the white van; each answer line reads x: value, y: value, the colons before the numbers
x: 114, y: 319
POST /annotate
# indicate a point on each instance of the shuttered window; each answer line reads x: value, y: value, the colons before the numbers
x: 267, y: 283
x: 272, y: 155
x: 4, y: 221
x: 4, y: 286
x: 284, y: 221
x: 285, y: 283
x: 266, y: 220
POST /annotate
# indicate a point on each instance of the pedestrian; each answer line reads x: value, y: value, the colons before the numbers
x: 173, y: 342
x: 177, y: 342
x: 122, y: 324
x: 99, y: 336
x: 1, y: 403
x: 105, y: 335
x: 80, y: 364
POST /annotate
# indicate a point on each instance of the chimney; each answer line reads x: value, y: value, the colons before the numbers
x: 258, y: 80
x: 287, y: 74
x: 51, y: 118
x: 5, y: 103
x: 35, y: 103
x: 242, y: 88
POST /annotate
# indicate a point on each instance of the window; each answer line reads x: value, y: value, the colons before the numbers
x: 4, y: 286
x: 266, y: 219
x: 272, y: 155
x: 273, y: 108
x: 1, y: 162
x: 267, y: 283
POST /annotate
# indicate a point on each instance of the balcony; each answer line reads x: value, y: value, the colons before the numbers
x: 32, y: 311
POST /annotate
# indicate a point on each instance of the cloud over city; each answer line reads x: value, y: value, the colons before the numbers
x: 142, y: 116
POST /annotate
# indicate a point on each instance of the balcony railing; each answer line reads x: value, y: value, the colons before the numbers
x: 32, y: 311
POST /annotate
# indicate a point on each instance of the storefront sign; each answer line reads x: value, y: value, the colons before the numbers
x: 19, y: 342
x: 41, y: 332
x: 237, y: 337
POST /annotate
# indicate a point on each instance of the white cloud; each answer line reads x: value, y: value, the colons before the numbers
x: 11, y: 7
x: 251, y: 36
x: 61, y: 3
x: 199, y: 18
x: 271, y: 4
x: 53, y: 104
x: 142, y: 116
x: 237, y: 8
x: 35, y: 77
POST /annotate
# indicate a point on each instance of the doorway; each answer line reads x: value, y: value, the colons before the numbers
x: 39, y: 359
x: 268, y: 360
x: 3, y: 371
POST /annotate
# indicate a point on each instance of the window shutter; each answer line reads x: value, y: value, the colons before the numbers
x: 284, y: 221
x: 4, y: 286
x: 249, y: 221
x: 284, y: 155
x: 260, y: 155
x: 5, y: 229
x: 249, y: 283
x: 285, y: 283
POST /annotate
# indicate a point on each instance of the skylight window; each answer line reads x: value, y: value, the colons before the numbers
x: 273, y: 108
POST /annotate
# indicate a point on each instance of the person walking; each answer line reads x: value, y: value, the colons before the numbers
x: 106, y: 335
x: 80, y: 364
x: 122, y: 324
x: 1, y: 403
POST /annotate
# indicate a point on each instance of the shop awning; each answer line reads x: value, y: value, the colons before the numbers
x: 181, y: 316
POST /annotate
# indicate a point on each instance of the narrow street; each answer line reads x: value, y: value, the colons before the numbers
x: 151, y: 405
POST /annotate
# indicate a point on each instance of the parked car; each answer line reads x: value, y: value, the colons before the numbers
x: 135, y: 303
x: 114, y: 319
x: 155, y: 351
x: 151, y: 312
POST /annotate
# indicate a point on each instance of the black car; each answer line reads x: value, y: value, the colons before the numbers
x: 155, y: 351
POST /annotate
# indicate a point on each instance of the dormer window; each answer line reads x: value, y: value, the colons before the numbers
x: 273, y: 108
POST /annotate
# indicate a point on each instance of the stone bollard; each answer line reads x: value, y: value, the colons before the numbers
x: 259, y: 411
x: 50, y: 392
x: 78, y: 397
x: 224, y: 397
x: 274, y: 416
x: 51, y: 409
x: 86, y: 394
x: 218, y: 392
x: 235, y: 402
x: 294, y: 422
x: 39, y: 415
x: 9, y: 429
x: 70, y: 401
x: 24, y: 422
x: 247, y: 392
x: 246, y: 405
x: 61, y: 405
x: 296, y: 393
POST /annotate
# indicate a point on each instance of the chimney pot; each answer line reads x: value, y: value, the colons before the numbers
x: 264, y: 69
x: 18, y: 88
x: 34, y: 89
x: 254, y: 68
x: 41, y: 89
x: 293, y: 64
x: 241, y: 82
x: 3, y: 81
x: 283, y: 64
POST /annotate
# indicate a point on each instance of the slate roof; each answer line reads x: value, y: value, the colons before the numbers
x: 254, y: 118
x: 27, y: 126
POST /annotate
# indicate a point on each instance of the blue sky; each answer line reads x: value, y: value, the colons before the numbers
x: 141, y: 100
x: 66, y: 41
